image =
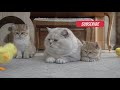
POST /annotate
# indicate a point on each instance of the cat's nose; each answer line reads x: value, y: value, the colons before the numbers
x: 88, y: 53
x: 19, y: 36
x: 50, y: 43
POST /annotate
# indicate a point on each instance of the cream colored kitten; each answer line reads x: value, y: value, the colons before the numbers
x: 62, y: 46
x: 90, y: 51
x: 25, y: 47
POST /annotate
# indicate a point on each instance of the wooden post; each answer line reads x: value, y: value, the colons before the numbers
x: 110, y: 17
x: 100, y: 34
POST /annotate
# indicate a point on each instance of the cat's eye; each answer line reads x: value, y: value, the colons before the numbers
x: 17, y: 33
x: 22, y: 33
x: 55, y: 40
x: 49, y: 39
x: 85, y: 51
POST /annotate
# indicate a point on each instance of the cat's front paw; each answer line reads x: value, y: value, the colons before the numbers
x: 92, y: 60
x: 31, y: 55
x: 18, y: 56
x: 50, y: 60
x: 61, y: 61
x: 26, y: 57
x: 85, y: 59
x: 26, y: 54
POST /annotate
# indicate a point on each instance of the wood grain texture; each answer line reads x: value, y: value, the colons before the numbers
x: 100, y: 34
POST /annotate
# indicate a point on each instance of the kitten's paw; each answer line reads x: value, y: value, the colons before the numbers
x: 92, y: 60
x: 31, y: 55
x: 26, y: 56
x: 50, y: 60
x: 85, y: 59
x: 18, y: 57
x: 61, y: 61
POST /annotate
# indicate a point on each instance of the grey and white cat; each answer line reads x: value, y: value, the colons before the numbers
x: 61, y: 46
x: 90, y: 51
x: 25, y: 47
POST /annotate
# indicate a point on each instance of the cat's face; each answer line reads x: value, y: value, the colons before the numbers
x: 20, y: 31
x: 90, y: 49
x: 59, y: 39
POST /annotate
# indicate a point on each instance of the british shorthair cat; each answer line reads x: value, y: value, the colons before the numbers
x: 62, y: 46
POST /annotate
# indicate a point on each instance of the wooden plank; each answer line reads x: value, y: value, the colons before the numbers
x: 37, y: 38
x: 65, y: 14
x: 80, y: 34
x: 93, y: 35
x: 52, y: 24
x: 88, y: 34
x: 42, y: 39
x: 100, y: 34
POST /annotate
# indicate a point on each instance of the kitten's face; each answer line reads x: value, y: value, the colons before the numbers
x: 20, y: 31
x: 58, y: 39
x: 90, y: 49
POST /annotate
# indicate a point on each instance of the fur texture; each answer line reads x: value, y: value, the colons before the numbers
x: 61, y: 46
x: 25, y: 47
x: 91, y: 51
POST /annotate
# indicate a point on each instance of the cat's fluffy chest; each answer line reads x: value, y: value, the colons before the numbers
x: 21, y: 44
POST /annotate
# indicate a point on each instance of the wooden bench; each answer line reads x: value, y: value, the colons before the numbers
x: 99, y: 32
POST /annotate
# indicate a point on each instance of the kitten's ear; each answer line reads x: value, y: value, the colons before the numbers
x: 25, y: 26
x: 65, y: 33
x: 83, y: 42
x: 96, y: 45
x: 10, y: 29
x: 13, y: 27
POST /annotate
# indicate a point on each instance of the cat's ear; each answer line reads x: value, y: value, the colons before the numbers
x: 49, y: 29
x: 65, y: 33
x: 83, y: 42
x: 13, y: 27
x: 96, y: 45
x: 25, y: 26
x: 10, y: 29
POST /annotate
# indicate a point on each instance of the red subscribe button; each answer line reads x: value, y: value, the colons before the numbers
x: 90, y: 24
